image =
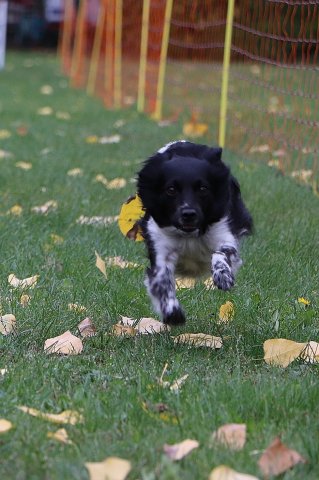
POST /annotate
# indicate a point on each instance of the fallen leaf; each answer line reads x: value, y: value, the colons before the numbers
x: 303, y: 300
x: 5, y: 425
x: 25, y: 300
x: 178, y: 451
x: 45, y: 111
x: 199, y: 340
x: 100, y: 178
x: 49, y: 206
x: 96, y: 220
x: 231, y: 435
x: 195, y: 129
x: 75, y: 172
x: 112, y: 468
x: 302, y: 175
x: 100, y: 264
x: 226, y: 312
x: 310, y: 353
x: 92, y: 139
x: 184, y: 282
x: 60, y: 435
x: 281, y: 352
x: 63, y: 116
x: 116, y: 184
x: 120, y: 262
x: 255, y: 70
x: 86, y: 328
x: 29, y: 282
x: 131, y: 212
x: 4, y: 134
x: 76, y: 307
x: 22, y: 130
x: 177, y: 384
x: 24, y: 165
x: 65, y: 344
x: 16, y: 210
x: 56, y: 239
x: 111, y: 139
x: 120, y: 330
x: 70, y: 417
x: 226, y: 473
x: 259, y: 148
x: 278, y: 458
x: 5, y: 154
x: 7, y: 323
x: 46, y: 90
x: 150, y: 325
x: 209, y: 284
x: 3, y: 371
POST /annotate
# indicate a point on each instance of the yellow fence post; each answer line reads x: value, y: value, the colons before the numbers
x: 162, y: 65
x: 96, y: 50
x: 118, y: 54
x: 143, y: 56
x: 225, y: 74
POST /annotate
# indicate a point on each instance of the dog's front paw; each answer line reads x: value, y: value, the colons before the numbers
x: 223, y: 278
x: 176, y: 317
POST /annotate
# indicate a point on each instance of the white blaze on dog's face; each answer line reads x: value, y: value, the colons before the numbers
x: 185, y: 192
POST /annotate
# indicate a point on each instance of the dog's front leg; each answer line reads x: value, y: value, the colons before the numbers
x: 225, y: 262
x: 160, y: 283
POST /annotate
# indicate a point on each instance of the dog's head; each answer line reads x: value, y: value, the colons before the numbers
x: 185, y: 186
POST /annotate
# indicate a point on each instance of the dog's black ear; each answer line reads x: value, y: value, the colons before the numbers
x: 214, y: 154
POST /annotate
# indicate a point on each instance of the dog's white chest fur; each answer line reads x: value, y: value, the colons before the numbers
x: 190, y: 253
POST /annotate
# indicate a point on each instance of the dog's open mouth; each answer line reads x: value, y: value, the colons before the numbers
x: 188, y: 228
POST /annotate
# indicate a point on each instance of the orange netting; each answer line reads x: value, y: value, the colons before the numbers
x: 273, y: 95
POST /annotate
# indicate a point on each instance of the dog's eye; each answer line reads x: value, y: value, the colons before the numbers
x: 171, y: 191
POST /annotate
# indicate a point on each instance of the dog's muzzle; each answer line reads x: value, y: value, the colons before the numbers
x: 188, y: 220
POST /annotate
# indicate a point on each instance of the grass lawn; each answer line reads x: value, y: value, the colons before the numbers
x: 113, y: 376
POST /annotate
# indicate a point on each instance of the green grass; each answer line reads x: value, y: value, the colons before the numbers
x: 113, y: 376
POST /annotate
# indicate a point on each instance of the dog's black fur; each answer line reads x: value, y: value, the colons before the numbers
x: 194, y: 218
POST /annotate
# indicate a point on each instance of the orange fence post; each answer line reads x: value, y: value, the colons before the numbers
x: 79, y: 46
x: 96, y: 50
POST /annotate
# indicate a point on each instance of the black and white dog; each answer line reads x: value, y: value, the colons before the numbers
x: 194, y: 218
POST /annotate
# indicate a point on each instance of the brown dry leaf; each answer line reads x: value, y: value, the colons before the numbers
x: 96, y: 221
x: 7, y: 323
x: 25, y: 300
x: 16, y: 210
x: 112, y: 468
x: 310, y: 353
x: 29, y: 282
x: 5, y: 425
x: 281, y: 352
x: 100, y: 264
x: 45, y: 111
x: 120, y: 262
x: 120, y: 330
x: 259, y: 148
x: 24, y: 165
x: 46, y: 90
x: 150, y: 326
x: 5, y: 154
x: 100, y: 178
x: 49, y: 206
x: 226, y: 473
x: 177, y: 384
x: 111, y: 139
x: 184, y: 282
x: 60, y: 435
x: 76, y: 307
x: 231, y: 435
x: 226, y: 312
x: 278, y: 458
x: 71, y: 417
x: 86, y: 328
x: 199, y: 340
x: 116, y: 184
x: 75, y: 172
x: 63, y: 116
x: 65, y: 344
x: 180, y: 450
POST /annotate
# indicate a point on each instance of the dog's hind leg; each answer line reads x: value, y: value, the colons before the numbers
x: 160, y: 283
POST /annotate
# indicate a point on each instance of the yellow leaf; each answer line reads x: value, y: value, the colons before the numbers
x: 178, y: 451
x: 195, y: 129
x: 29, y: 282
x: 281, y: 352
x: 199, y: 340
x: 184, y: 282
x: 86, y: 328
x: 231, y: 435
x: 70, y: 417
x: 24, y: 165
x: 49, y: 206
x: 46, y: 90
x: 56, y: 239
x: 92, y: 139
x: 65, y: 344
x: 303, y: 300
x: 100, y: 264
x: 76, y: 307
x: 45, y: 111
x: 5, y: 425
x: 7, y: 323
x: 116, y: 184
x: 25, y: 300
x: 16, y: 210
x: 226, y: 312
x: 75, y: 172
x: 112, y: 468
x: 60, y: 435
x: 226, y: 473
x: 4, y: 134
x: 130, y: 213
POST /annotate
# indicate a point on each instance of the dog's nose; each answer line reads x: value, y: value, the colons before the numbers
x: 189, y: 215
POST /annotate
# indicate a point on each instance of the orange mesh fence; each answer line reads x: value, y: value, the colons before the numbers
x: 273, y: 94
